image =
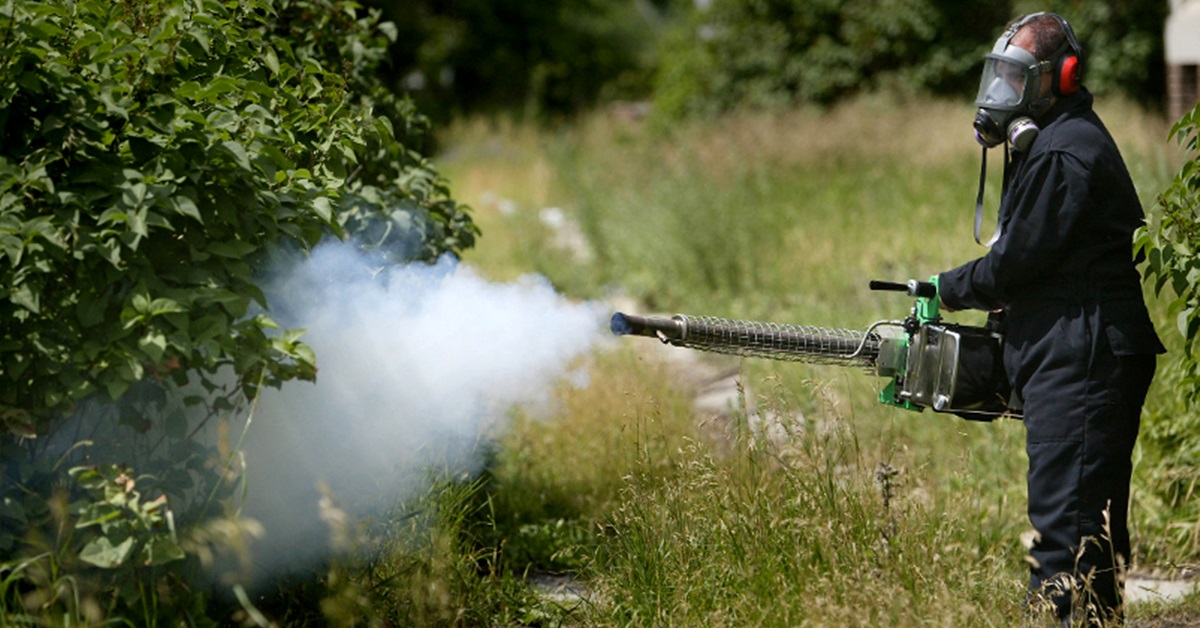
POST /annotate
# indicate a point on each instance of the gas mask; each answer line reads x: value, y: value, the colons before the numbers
x: 1009, y: 91
x: 1008, y: 96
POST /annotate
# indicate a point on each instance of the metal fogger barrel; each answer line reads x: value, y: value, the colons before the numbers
x: 755, y: 339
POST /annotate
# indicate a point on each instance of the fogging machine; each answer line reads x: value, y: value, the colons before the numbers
x: 931, y: 364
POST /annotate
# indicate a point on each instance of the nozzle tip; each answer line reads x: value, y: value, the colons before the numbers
x: 620, y: 325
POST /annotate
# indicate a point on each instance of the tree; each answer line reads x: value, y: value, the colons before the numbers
x: 153, y: 151
x: 766, y: 53
x: 552, y: 57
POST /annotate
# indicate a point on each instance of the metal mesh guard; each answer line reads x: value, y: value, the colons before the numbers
x: 795, y: 343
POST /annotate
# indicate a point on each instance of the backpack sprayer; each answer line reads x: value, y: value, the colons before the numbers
x: 946, y: 367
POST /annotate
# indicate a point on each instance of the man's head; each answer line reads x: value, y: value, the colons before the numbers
x: 1036, y: 60
x: 1051, y: 40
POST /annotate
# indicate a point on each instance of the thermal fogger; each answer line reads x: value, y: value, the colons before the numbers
x: 945, y: 367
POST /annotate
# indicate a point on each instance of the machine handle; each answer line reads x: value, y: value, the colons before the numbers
x: 889, y: 286
x: 913, y: 288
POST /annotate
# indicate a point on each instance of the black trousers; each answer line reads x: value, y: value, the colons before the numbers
x: 1082, y: 407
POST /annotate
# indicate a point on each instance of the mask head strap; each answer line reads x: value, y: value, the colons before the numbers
x: 1065, y: 65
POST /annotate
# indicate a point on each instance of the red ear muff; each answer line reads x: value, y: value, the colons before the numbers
x: 1068, y: 75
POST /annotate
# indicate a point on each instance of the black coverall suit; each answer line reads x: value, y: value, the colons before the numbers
x: 1079, y: 349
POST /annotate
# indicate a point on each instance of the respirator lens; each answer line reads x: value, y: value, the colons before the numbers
x: 1002, y: 85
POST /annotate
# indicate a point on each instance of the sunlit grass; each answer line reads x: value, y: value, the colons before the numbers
x: 803, y: 528
x: 772, y: 216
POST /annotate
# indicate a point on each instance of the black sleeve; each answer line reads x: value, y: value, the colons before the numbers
x: 1046, y: 207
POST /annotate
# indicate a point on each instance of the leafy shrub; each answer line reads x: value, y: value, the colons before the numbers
x: 1171, y: 244
x: 153, y: 151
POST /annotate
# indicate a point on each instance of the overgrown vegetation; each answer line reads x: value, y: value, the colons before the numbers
x: 1170, y: 244
x: 153, y: 152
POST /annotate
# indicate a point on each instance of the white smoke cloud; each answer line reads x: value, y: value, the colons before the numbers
x: 416, y: 364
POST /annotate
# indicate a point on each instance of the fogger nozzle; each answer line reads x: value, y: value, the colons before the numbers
x: 665, y: 329
x: 754, y: 339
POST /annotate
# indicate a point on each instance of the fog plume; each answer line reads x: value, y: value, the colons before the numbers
x: 417, y: 364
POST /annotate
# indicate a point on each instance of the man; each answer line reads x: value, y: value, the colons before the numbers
x: 1079, y: 346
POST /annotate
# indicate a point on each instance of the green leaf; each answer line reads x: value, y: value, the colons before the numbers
x: 389, y: 30
x: 161, y: 549
x: 18, y: 422
x: 98, y: 514
x: 238, y: 152
x: 1182, y: 320
x: 26, y: 298
x: 201, y: 38
x: 12, y: 247
x: 116, y: 387
x: 187, y: 207
x: 233, y: 249
x: 102, y: 553
x: 12, y: 510
x: 153, y: 344
x: 323, y: 207
x: 89, y: 312
x: 87, y: 477
x: 217, y: 87
x: 271, y: 60
x: 163, y: 305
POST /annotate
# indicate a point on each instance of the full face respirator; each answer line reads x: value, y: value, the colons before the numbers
x: 1010, y: 94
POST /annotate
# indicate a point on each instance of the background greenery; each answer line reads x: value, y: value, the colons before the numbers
x: 554, y: 58
x: 156, y: 151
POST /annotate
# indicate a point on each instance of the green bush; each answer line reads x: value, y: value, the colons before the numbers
x: 153, y: 152
x: 1171, y: 244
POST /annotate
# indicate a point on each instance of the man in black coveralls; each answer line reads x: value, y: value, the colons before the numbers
x: 1080, y: 347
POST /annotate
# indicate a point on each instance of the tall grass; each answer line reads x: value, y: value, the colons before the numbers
x: 814, y: 504
x: 801, y: 530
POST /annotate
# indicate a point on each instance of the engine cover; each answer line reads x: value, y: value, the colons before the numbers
x: 957, y: 369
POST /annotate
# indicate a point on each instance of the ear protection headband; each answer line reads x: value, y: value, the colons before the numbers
x: 1067, y: 61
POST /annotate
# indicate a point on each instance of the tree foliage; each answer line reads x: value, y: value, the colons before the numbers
x: 151, y: 150
x: 1122, y: 43
x: 152, y: 153
x: 733, y: 53
x: 549, y: 58
x: 1171, y: 245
